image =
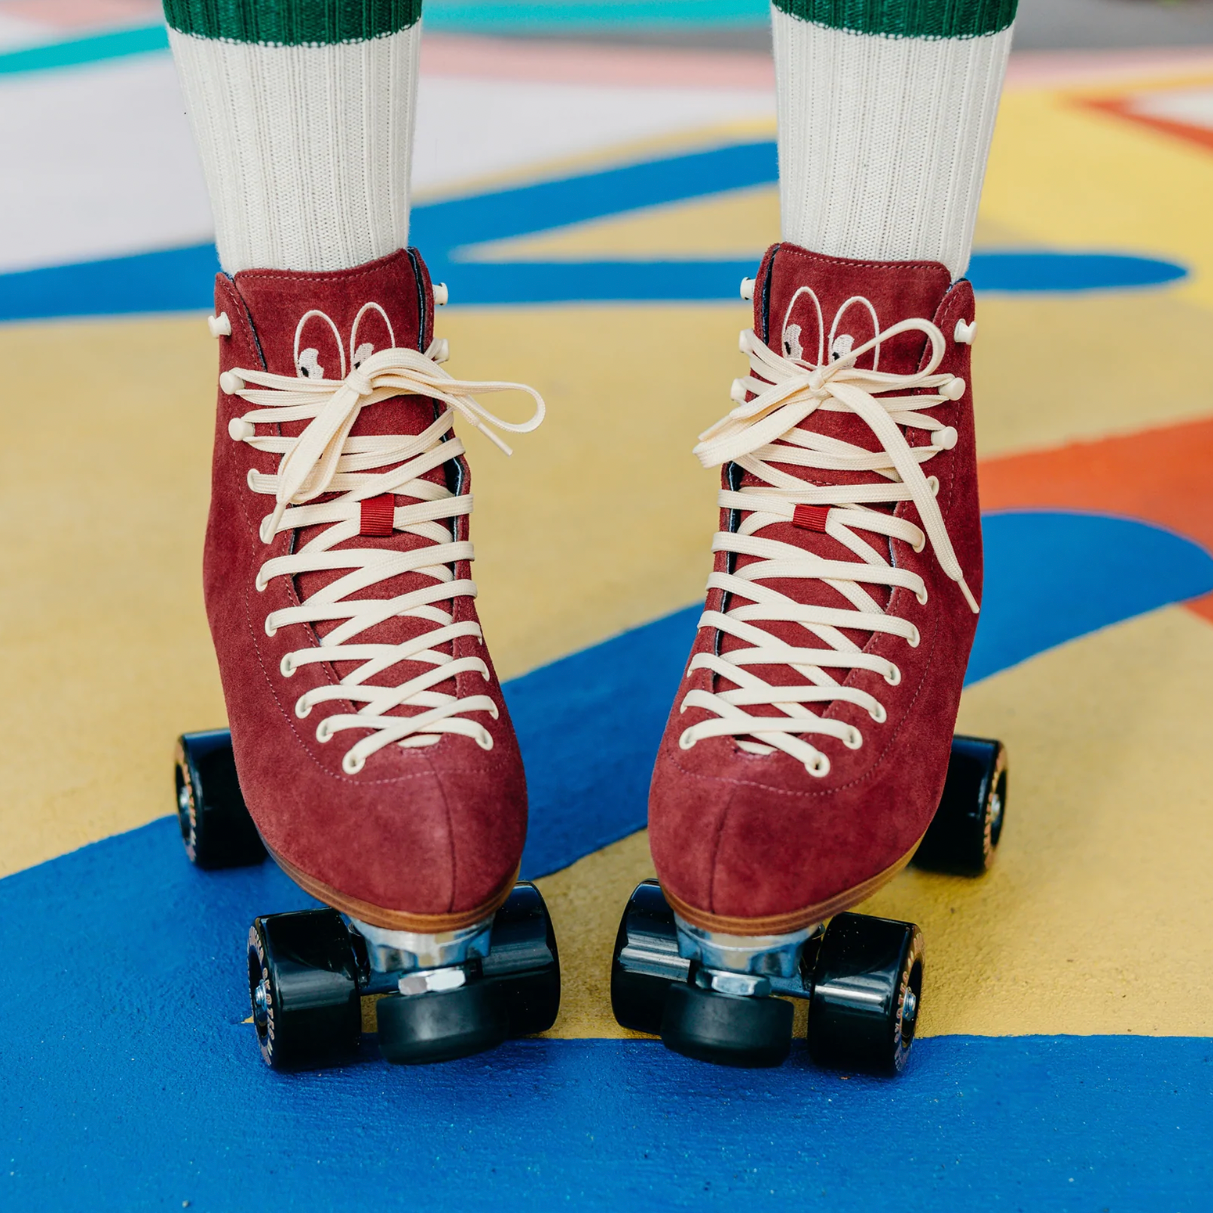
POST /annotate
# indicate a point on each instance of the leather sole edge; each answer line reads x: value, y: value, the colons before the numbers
x: 793, y: 920
x: 395, y: 920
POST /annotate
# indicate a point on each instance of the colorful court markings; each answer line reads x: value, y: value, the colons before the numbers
x: 1158, y: 475
x: 449, y: 231
x: 131, y: 1078
x: 131, y: 1082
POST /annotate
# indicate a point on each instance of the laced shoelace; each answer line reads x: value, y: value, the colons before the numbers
x: 763, y: 430
x: 326, y: 459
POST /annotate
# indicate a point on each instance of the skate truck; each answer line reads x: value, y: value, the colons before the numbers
x: 437, y: 997
x: 730, y: 998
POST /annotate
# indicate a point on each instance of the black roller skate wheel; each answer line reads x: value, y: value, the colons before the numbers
x: 303, y: 981
x: 867, y: 990
x: 523, y: 966
x: 215, y: 826
x: 649, y: 933
x: 726, y: 1029
x: 416, y: 1029
x: 964, y: 835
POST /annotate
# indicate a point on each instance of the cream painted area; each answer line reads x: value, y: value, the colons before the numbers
x: 1097, y: 914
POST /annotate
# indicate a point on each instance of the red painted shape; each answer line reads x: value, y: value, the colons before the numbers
x: 1122, y: 107
x: 1163, y: 476
x: 377, y: 515
x: 811, y: 517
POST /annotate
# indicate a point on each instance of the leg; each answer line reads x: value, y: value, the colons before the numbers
x: 372, y: 744
x: 807, y: 750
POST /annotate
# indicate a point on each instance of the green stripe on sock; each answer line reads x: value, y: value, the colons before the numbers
x: 292, y: 22
x: 906, y: 18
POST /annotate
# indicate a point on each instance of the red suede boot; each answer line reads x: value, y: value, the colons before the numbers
x: 808, y: 745
x: 371, y: 741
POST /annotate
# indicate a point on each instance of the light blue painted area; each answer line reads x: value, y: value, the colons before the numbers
x: 450, y: 231
x: 130, y: 1083
x: 590, y: 724
x: 451, y: 16
x: 77, y: 52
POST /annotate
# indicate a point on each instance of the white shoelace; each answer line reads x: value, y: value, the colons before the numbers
x: 326, y: 459
x: 764, y: 431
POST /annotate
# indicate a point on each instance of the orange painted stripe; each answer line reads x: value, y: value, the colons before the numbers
x: 1162, y: 476
x: 1122, y: 107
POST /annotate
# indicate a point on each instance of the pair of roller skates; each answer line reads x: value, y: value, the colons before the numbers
x: 808, y: 757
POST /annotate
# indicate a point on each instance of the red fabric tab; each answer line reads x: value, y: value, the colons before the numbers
x: 811, y: 517
x: 377, y: 515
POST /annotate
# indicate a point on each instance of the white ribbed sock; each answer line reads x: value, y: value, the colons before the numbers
x: 883, y: 139
x: 307, y: 149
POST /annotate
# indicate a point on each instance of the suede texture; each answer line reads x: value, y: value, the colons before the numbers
x: 748, y: 836
x: 428, y: 831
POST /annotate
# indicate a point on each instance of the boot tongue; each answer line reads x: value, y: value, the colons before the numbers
x: 814, y: 308
x: 815, y: 303
x: 319, y: 325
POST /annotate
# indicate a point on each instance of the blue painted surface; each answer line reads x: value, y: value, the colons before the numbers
x: 1026, y: 270
x: 589, y: 724
x: 130, y: 1082
x: 523, y: 210
x: 449, y: 231
x: 169, y: 280
x: 1052, y: 577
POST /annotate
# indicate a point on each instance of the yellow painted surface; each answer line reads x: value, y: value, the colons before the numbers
x: 1070, y: 177
x: 1054, y: 369
x: 602, y: 520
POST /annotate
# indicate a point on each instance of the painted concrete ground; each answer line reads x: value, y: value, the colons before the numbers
x: 592, y: 211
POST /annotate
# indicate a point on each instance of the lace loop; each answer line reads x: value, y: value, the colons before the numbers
x: 765, y: 429
x: 324, y: 460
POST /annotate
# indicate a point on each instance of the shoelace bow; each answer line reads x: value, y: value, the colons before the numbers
x: 325, y: 459
x: 763, y: 430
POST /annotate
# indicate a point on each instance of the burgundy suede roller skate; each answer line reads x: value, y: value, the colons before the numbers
x: 370, y: 748
x: 810, y: 750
